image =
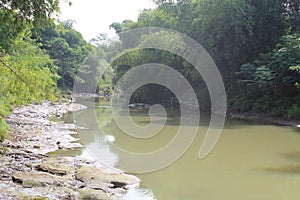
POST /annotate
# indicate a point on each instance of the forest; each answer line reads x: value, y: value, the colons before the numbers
x: 254, y: 43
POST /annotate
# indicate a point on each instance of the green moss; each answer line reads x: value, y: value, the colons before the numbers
x: 3, y: 150
x: 4, y: 128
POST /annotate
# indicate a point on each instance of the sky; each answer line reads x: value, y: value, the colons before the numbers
x: 93, y: 17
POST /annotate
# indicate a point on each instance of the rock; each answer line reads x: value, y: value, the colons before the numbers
x: 27, y: 172
x: 56, y: 166
x: 34, y: 198
x: 91, y: 194
x: 11, y: 144
x: 76, y: 107
x: 101, y: 178
x: 36, y: 179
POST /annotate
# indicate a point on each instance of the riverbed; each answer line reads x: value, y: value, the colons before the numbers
x: 251, y: 160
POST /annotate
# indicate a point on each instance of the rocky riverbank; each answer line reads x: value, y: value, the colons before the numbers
x: 27, y: 172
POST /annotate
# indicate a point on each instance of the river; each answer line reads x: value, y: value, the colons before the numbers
x: 250, y: 161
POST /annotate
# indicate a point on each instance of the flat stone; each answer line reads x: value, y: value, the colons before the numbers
x: 36, y: 179
x: 97, y: 177
x: 56, y: 166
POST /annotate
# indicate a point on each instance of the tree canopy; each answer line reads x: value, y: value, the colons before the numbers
x: 262, y: 33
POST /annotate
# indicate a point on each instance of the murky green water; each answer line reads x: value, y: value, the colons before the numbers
x: 250, y: 161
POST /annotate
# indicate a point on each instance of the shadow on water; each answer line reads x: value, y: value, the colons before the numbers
x: 296, y: 130
x: 288, y: 169
x: 173, y: 116
x: 173, y: 119
x: 293, y: 156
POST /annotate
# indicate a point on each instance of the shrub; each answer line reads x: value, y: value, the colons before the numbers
x: 293, y: 112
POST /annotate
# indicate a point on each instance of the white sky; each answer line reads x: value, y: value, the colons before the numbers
x: 94, y: 16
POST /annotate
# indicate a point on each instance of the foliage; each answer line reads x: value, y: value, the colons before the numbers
x: 36, y: 11
x: 153, y: 93
x: 261, y: 33
x: 294, y: 112
x: 27, y: 75
x: 277, y: 71
x: 94, y: 74
x: 292, y: 11
x: 3, y: 129
x: 232, y: 31
x: 17, y: 15
x: 34, y: 77
x: 67, y: 47
x: 274, y: 75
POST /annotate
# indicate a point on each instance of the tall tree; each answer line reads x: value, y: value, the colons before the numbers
x: 68, y: 48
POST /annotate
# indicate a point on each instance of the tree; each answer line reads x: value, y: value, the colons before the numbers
x: 17, y: 15
x: 292, y: 13
x: 69, y: 24
x: 69, y: 50
x: 260, y: 33
x: 117, y: 27
x: 36, y: 11
x: 27, y: 75
x: 274, y: 75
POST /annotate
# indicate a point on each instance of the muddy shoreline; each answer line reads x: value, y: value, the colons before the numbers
x: 264, y: 118
x: 28, y: 172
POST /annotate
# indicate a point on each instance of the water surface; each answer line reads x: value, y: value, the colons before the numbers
x: 250, y: 161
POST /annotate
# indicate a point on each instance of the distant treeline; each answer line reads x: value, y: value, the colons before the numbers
x: 255, y: 44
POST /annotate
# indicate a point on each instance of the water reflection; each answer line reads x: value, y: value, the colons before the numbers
x: 100, y: 149
x: 250, y: 161
x: 98, y: 142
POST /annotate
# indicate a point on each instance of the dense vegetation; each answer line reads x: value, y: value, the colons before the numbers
x: 27, y: 73
x: 39, y: 56
x: 255, y: 44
